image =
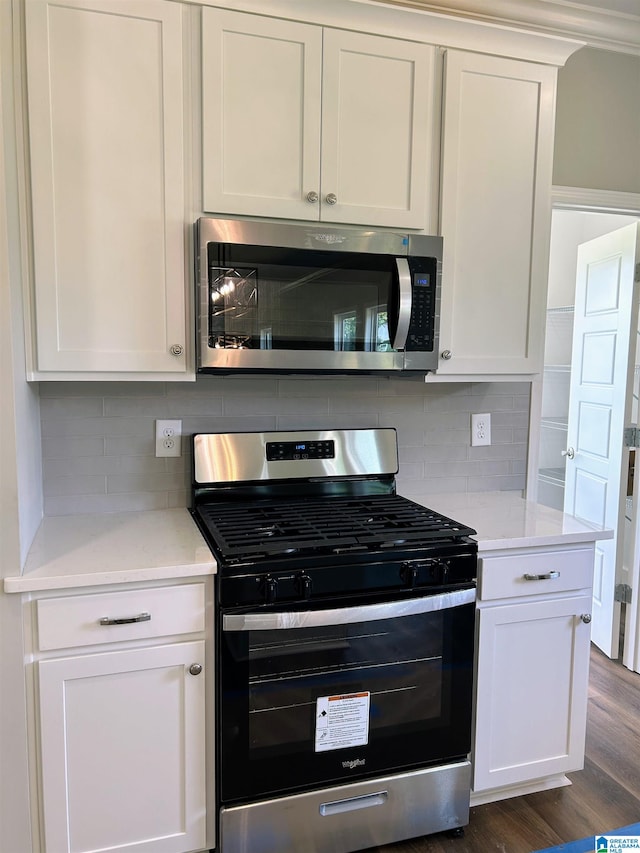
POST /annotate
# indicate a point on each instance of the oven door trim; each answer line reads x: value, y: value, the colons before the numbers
x: 346, y: 615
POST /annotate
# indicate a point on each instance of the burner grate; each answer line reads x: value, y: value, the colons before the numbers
x: 259, y: 528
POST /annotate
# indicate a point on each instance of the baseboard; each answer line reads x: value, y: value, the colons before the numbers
x: 481, y: 797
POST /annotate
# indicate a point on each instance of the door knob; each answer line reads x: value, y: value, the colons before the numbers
x: 312, y: 197
x: 569, y: 453
x: 195, y: 668
x: 332, y: 198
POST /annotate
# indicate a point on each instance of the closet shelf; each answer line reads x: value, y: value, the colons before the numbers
x: 555, y: 423
x: 552, y: 475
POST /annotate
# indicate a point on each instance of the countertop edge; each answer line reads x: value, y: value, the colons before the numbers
x: 576, y: 538
x: 33, y: 583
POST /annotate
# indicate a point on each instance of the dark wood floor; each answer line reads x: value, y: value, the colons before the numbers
x: 603, y: 796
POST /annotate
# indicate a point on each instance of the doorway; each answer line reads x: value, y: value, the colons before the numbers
x: 572, y: 227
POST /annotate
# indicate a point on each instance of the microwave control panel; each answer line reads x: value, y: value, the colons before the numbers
x: 423, y: 291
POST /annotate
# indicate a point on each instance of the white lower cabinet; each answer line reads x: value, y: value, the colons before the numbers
x: 122, y: 728
x: 532, y: 669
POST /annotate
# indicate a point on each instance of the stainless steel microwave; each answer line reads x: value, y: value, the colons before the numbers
x: 292, y: 298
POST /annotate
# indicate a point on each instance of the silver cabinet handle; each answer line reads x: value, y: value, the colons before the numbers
x: 569, y: 453
x: 332, y: 198
x: 446, y: 354
x: 128, y: 620
x: 195, y: 668
x: 586, y: 618
x: 545, y: 577
x: 312, y: 197
x: 176, y: 349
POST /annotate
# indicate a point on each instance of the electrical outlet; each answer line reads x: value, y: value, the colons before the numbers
x: 168, y: 438
x: 480, y: 430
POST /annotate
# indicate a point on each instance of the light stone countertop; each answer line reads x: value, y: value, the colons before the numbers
x: 110, y: 548
x: 505, y: 520
x: 128, y: 547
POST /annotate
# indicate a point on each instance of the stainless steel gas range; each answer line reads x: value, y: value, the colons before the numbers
x: 345, y: 633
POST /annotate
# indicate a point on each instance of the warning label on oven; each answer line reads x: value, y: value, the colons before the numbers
x: 342, y: 721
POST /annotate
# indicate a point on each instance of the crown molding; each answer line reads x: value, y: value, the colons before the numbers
x: 598, y: 27
x: 601, y: 201
x: 413, y: 20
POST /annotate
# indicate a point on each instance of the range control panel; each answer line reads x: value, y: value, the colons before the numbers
x: 293, y: 450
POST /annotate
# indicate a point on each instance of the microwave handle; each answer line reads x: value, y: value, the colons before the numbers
x: 404, y: 304
x: 347, y: 615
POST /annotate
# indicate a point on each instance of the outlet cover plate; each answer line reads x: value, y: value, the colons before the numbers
x: 480, y: 430
x: 168, y: 438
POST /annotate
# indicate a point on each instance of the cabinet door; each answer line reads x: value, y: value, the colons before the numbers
x: 531, y: 705
x: 105, y: 89
x: 495, y: 213
x: 261, y: 80
x: 123, y: 751
x: 377, y: 103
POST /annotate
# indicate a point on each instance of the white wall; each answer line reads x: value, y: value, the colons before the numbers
x: 598, y: 122
x: 20, y: 474
x: 569, y: 228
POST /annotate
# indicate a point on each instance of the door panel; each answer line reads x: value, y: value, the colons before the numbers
x: 376, y: 115
x: 600, y: 406
x: 261, y: 117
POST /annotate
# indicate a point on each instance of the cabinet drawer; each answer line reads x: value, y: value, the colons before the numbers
x: 545, y: 573
x: 109, y: 617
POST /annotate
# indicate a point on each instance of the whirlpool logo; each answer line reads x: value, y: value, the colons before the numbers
x: 356, y: 762
x: 329, y: 238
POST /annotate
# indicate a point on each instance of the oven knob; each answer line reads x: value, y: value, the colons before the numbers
x: 270, y: 589
x: 409, y: 574
x: 303, y: 585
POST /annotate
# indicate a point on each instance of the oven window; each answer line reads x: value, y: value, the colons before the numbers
x: 403, y: 678
x: 306, y: 706
x: 309, y: 300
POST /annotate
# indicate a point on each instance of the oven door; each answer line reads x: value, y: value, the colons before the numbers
x: 312, y: 697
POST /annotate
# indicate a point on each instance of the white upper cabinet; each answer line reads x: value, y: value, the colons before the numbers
x: 106, y: 117
x: 498, y: 120
x: 306, y: 122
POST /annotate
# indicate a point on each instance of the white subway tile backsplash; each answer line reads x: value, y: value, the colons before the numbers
x: 63, y: 448
x: 108, y: 426
x: 71, y: 407
x: 433, y: 486
x: 81, y: 504
x: 75, y: 485
x: 164, y: 482
x: 99, y: 448
x: 130, y: 445
x: 135, y: 407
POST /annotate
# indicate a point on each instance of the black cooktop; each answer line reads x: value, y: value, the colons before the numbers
x: 253, y: 531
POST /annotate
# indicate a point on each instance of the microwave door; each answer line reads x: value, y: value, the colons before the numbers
x: 404, y: 304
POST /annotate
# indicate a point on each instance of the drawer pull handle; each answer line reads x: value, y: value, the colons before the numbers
x: 142, y: 617
x: 546, y: 577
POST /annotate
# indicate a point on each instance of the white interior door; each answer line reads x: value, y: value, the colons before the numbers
x: 606, y: 319
x: 631, y: 561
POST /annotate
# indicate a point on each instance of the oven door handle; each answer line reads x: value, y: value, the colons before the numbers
x: 347, y: 615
